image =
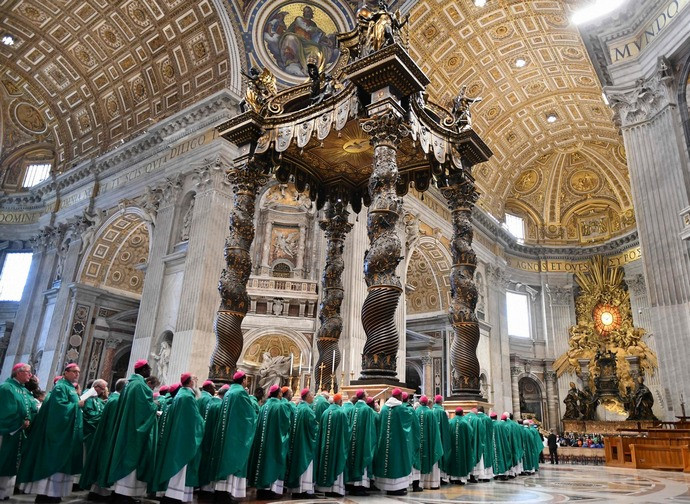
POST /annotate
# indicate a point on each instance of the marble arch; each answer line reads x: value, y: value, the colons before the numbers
x: 121, y: 244
x: 428, y: 269
x: 288, y: 337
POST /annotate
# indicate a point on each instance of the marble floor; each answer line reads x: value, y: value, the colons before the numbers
x: 553, y: 484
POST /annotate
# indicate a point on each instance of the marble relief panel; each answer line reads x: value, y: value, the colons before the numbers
x: 284, y: 244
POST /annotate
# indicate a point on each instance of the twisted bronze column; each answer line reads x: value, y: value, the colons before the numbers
x: 336, y: 227
x: 246, y: 179
x: 384, y: 254
x: 461, y: 195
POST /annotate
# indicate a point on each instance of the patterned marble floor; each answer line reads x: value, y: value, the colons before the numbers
x: 553, y: 484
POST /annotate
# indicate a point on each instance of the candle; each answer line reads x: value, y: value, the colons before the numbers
x: 292, y: 358
x: 299, y: 372
x: 310, y: 361
x: 352, y: 356
x: 333, y: 366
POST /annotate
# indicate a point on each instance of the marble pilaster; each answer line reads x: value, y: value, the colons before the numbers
x: 195, y: 338
x: 515, y: 372
x: 551, y: 397
x: 658, y: 166
x: 161, y: 239
x: 498, y: 280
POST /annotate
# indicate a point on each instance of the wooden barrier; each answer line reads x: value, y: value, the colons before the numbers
x: 650, y: 456
x: 657, y: 451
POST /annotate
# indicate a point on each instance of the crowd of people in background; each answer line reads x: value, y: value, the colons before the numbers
x: 581, y: 441
x: 172, y: 442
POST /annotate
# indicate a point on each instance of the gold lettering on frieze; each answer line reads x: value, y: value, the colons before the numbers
x: 550, y: 266
x: 631, y: 47
x: 75, y: 198
x: 158, y: 164
x: 18, y: 218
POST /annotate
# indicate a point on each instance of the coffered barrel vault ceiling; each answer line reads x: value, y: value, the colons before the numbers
x: 85, y: 74
x: 567, y: 178
x: 94, y: 72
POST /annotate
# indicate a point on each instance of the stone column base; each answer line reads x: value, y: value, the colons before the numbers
x: 377, y: 391
x: 466, y: 404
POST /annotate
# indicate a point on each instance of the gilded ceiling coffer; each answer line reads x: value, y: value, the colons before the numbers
x: 336, y: 227
x: 461, y: 195
x: 246, y: 179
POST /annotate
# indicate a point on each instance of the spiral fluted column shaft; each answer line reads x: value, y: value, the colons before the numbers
x: 461, y: 196
x: 336, y: 227
x: 384, y: 254
x: 246, y: 181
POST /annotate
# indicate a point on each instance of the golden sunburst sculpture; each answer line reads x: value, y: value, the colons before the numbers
x: 605, y: 323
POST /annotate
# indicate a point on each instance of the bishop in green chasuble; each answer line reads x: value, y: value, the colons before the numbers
x: 303, y: 441
x: 54, y: 451
x: 320, y: 405
x: 360, y: 457
x: 234, y: 434
x: 210, y: 411
x: 461, y: 460
x: 334, y: 438
x: 430, y: 447
x: 268, y: 457
x: 444, y: 425
x: 17, y: 411
x: 501, y: 447
x: 177, y: 455
x: 482, y: 431
x: 395, y: 447
x: 93, y: 475
x: 92, y: 411
x: 131, y: 449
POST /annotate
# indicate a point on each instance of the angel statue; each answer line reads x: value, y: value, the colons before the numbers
x: 274, y: 370
x: 462, y: 119
x: 379, y: 27
x: 322, y: 86
x: 261, y: 86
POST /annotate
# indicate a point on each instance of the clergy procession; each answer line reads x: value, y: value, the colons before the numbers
x: 182, y: 441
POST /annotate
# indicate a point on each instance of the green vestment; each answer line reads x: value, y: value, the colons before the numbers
x: 92, y: 411
x: 395, y: 447
x: 255, y: 403
x: 303, y: 438
x: 537, y: 446
x: 132, y: 445
x: 482, y: 430
x: 461, y: 460
x: 55, y: 441
x: 203, y: 401
x: 430, y: 447
x: 334, y: 437
x: 95, y: 464
x: 234, y: 434
x: 268, y: 457
x: 319, y: 405
x: 517, y: 450
x: 501, y: 447
x: 444, y: 425
x: 181, y: 441
x: 362, y: 446
x: 16, y: 406
x: 349, y: 410
x: 210, y: 414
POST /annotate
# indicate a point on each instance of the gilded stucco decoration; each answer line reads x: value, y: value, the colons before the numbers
x: 428, y: 280
x: 115, y: 259
x: 275, y: 345
x: 87, y: 73
x: 562, y: 176
x: 605, y: 324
